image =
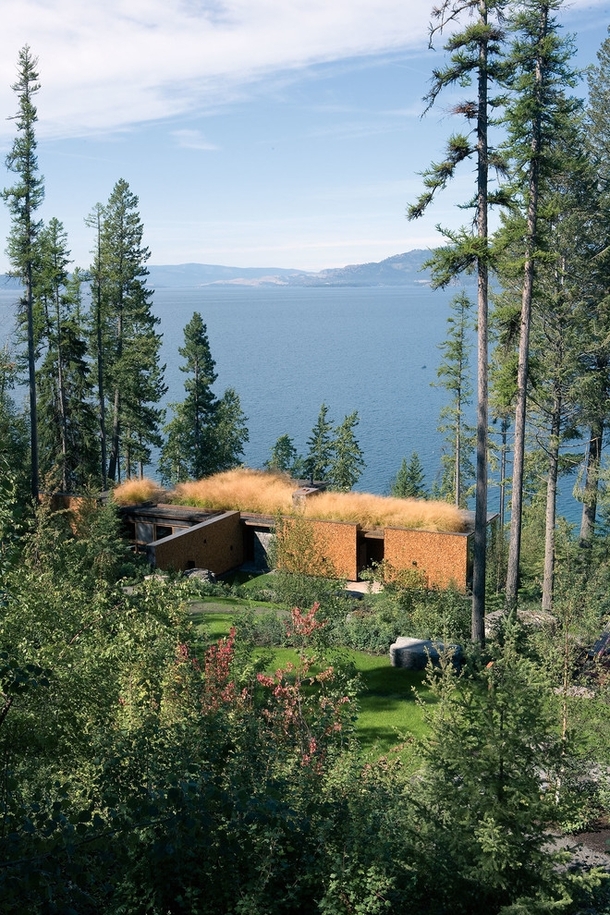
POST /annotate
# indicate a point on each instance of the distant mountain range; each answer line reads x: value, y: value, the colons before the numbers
x: 401, y: 270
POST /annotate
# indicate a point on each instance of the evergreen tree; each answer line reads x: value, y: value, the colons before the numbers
x: 125, y: 340
x: 347, y: 462
x: 23, y: 199
x: 67, y: 430
x: 563, y: 317
x: 536, y: 113
x: 227, y: 433
x: 94, y: 220
x: 206, y: 434
x: 486, y: 812
x: 320, y: 443
x: 475, y: 57
x: 595, y: 357
x: 285, y: 457
x: 454, y: 377
x: 410, y: 481
x: 13, y: 427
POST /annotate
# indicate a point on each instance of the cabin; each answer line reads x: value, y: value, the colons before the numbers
x: 178, y: 538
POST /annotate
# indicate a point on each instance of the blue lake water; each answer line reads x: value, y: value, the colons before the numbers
x: 286, y: 350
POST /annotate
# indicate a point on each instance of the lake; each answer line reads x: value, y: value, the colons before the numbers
x: 288, y: 349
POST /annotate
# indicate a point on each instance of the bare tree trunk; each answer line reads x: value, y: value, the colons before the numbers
x: 114, y: 441
x: 61, y: 396
x: 29, y: 292
x: 480, y: 521
x: 551, y: 506
x: 458, y: 453
x: 589, y: 502
x: 514, y: 546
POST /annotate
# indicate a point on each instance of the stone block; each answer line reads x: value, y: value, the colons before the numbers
x: 414, y: 654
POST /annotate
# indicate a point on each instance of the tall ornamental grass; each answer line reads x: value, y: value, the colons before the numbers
x: 266, y: 493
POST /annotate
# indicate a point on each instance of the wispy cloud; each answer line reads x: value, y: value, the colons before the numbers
x: 192, y: 139
x: 108, y: 64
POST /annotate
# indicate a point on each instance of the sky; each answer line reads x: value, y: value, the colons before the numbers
x: 255, y: 133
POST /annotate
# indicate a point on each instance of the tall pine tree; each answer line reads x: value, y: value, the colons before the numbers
x: 205, y: 435
x: 23, y: 199
x: 536, y: 114
x: 67, y: 428
x: 475, y: 58
x: 125, y: 340
x: 454, y: 376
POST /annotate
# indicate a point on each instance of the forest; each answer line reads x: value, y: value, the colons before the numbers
x: 148, y: 765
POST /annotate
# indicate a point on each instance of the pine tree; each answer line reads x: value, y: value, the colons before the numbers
x: 410, y: 481
x: 476, y: 57
x: 205, y: 435
x: 454, y: 377
x: 97, y: 275
x: 320, y: 443
x: 126, y: 343
x: 285, y: 457
x: 23, y: 200
x: 595, y: 359
x: 227, y: 433
x: 347, y: 462
x: 536, y: 113
x: 67, y: 429
x: 485, y: 809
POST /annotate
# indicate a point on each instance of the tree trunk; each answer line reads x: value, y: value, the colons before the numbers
x: 29, y: 292
x: 514, y: 546
x: 551, y: 506
x: 480, y: 522
x: 113, y: 467
x: 589, y: 502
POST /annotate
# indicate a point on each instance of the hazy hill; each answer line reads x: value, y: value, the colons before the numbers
x: 399, y: 270
x: 173, y: 275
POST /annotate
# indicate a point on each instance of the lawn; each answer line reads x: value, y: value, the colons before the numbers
x: 389, y: 713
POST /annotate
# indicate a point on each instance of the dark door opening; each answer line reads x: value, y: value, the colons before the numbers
x: 370, y: 550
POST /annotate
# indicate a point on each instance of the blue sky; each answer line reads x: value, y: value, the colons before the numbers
x: 275, y: 133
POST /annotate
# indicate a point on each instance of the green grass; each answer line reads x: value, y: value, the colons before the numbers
x: 258, y: 581
x: 389, y: 714
x: 241, y: 578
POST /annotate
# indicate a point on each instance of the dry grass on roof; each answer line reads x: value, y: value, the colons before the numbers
x: 135, y: 492
x: 267, y: 494
x: 370, y: 510
x: 239, y: 490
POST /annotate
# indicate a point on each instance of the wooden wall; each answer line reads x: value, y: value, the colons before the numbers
x: 441, y: 558
x: 336, y: 542
x: 215, y: 544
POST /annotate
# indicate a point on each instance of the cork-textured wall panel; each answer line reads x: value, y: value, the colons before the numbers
x: 441, y: 558
x: 336, y: 542
x: 215, y: 544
